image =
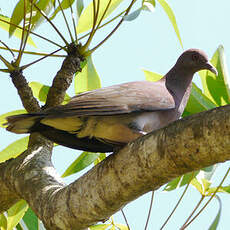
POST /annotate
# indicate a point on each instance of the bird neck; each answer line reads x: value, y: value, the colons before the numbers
x: 179, y: 83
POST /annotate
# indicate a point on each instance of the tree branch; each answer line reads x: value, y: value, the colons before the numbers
x: 64, y: 77
x: 141, y: 166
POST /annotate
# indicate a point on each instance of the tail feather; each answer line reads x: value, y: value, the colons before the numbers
x: 22, y: 123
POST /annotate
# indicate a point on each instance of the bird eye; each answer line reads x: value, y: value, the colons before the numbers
x: 195, y: 57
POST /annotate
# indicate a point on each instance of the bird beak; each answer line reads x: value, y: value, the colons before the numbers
x: 210, y: 67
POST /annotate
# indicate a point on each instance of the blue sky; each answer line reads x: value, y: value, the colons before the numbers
x: 149, y: 43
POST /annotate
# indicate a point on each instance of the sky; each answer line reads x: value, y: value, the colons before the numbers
x: 149, y: 43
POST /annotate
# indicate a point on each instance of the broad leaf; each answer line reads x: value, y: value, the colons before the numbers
x: 3, y: 116
x: 132, y: 16
x: 99, y: 227
x: 40, y: 91
x: 4, y: 24
x: 151, y: 76
x: 65, y: 4
x: 197, y: 102
x: 15, y: 213
x: 180, y: 181
x: 100, y: 158
x: 80, y: 7
x: 18, y: 14
x: 14, y: 149
x: 3, y: 222
x: 216, y: 88
x: 88, y: 78
x: 31, y: 220
x: 85, y: 21
x: 217, y: 218
x: 83, y: 161
x: 172, y: 18
x: 149, y: 5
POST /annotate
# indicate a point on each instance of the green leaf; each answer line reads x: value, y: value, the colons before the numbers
x: 3, y: 222
x: 151, y: 76
x: 122, y: 227
x: 149, y: 5
x: 197, y: 185
x: 15, y: 213
x: 65, y: 4
x: 17, y: 32
x: 3, y: 116
x: 31, y: 220
x: 209, y: 171
x: 197, y: 102
x: 40, y: 91
x: 99, y: 227
x: 100, y: 158
x: 80, y: 7
x: 172, y: 18
x: 18, y: 13
x: 180, y: 181
x: 14, y: 149
x: 226, y: 189
x: 85, y: 21
x: 88, y: 78
x: 132, y: 16
x: 217, y: 218
x: 83, y: 161
x: 216, y: 88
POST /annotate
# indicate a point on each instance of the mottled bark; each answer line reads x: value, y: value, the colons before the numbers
x: 143, y: 165
x: 24, y: 91
x: 64, y: 77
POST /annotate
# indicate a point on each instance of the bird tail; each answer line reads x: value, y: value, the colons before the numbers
x: 22, y: 123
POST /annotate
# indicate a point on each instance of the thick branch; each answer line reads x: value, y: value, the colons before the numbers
x: 64, y: 77
x: 144, y: 165
x: 28, y: 100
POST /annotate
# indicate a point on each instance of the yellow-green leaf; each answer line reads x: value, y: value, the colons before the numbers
x: 216, y: 88
x: 83, y: 161
x: 151, y: 76
x: 4, y: 24
x: 85, y: 21
x: 40, y: 91
x: 15, y: 213
x: 14, y: 149
x: 99, y: 227
x: 65, y: 4
x: 88, y: 78
x: 171, y: 17
x: 3, y: 222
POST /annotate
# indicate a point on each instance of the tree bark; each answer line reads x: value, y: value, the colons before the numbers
x: 143, y: 165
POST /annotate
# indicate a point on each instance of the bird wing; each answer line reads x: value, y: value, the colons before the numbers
x: 117, y: 99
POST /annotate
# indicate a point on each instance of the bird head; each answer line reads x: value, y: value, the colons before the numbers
x: 195, y: 60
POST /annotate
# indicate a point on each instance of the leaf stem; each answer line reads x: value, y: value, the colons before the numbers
x: 150, y: 209
x: 210, y: 199
x: 51, y: 23
x: 67, y: 25
x: 178, y: 202
x: 126, y: 221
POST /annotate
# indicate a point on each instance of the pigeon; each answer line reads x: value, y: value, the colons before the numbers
x: 108, y: 118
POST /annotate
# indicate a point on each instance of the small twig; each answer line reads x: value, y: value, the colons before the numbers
x: 17, y: 62
x: 8, y: 48
x: 38, y: 60
x: 67, y: 25
x: 73, y: 20
x: 33, y: 53
x: 126, y: 221
x: 150, y: 209
x: 210, y: 199
x: 194, y: 210
x: 178, y: 202
x: 51, y: 23
x: 116, y: 27
x: 95, y: 17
